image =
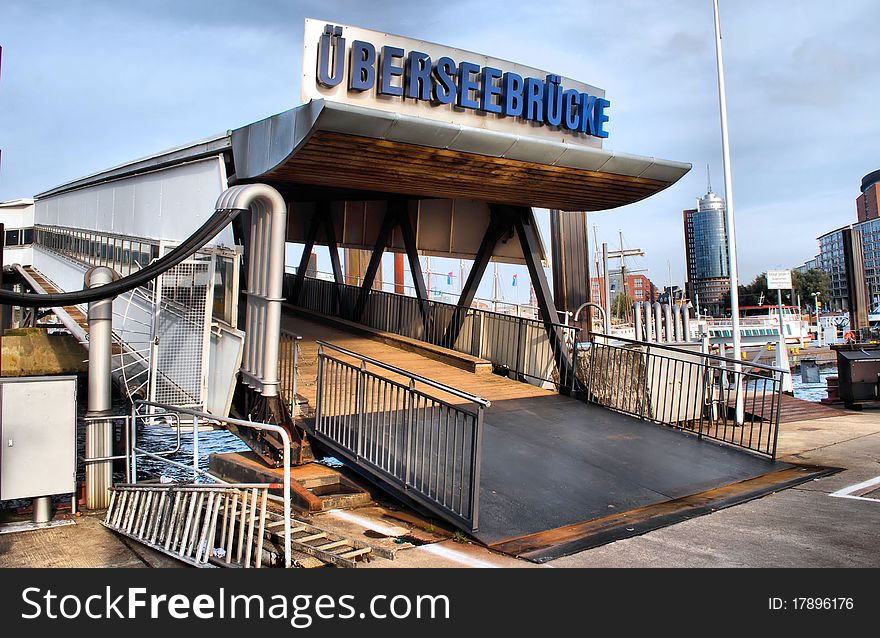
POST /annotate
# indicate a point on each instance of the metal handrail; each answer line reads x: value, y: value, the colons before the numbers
x: 499, y: 337
x: 706, y: 355
x: 437, y: 302
x: 280, y: 431
x: 405, y: 373
x: 691, y: 393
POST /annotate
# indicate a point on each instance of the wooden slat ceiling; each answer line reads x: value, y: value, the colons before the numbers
x: 352, y: 162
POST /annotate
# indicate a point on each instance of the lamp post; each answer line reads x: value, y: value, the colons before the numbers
x: 729, y: 219
x: 818, y: 325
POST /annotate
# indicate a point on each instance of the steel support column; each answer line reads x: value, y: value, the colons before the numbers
x: 99, y: 434
x: 526, y: 229
x: 332, y: 246
x: 392, y: 214
x: 415, y: 267
x: 311, y: 235
x: 498, y: 225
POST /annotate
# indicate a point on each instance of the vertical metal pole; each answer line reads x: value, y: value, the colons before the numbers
x: 319, y: 401
x: 195, y: 447
x: 99, y: 439
x: 728, y: 215
x: 42, y: 509
x: 517, y: 368
x: 361, y: 393
x: 408, y: 398
x: 476, y: 460
x: 782, y: 360
x: 294, y: 407
x: 781, y: 330
x: 130, y: 445
x: 606, y: 285
x: 637, y: 321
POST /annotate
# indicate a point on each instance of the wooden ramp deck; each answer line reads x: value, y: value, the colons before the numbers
x: 484, y: 384
x: 793, y: 409
x: 550, y: 461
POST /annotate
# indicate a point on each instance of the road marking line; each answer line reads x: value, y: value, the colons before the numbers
x: 367, y: 523
x: 848, y: 492
x: 455, y: 555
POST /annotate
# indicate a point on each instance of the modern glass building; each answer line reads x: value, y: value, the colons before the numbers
x: 708, y: 270
x: 830, y: 257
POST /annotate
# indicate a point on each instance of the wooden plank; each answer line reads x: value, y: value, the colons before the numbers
x: 339, y: 160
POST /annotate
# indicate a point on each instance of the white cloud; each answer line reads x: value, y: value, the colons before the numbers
x: 86, y: 85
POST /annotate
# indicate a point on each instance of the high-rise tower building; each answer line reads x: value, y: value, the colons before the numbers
x: 705, y: 239
x: 868, y: 202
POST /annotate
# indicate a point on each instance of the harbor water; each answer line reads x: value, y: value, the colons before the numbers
x: 812, y: 391
x: 157, y: 438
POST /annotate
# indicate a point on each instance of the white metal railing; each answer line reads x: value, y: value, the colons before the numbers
x: 149, y: 410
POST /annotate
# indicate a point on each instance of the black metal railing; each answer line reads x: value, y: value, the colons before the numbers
x: 519, y: 345
x: 380, y: 418
x: 715, y: 397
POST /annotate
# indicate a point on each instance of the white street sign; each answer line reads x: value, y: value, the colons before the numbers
x: 779, y: 280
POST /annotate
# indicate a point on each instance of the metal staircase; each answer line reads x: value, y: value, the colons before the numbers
x: 225, y: 526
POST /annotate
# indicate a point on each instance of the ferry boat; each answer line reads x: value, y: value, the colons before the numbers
x: 761, y: 324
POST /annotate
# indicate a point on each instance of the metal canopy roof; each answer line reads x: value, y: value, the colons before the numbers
x: 343, y: 146
x: 208, y: 147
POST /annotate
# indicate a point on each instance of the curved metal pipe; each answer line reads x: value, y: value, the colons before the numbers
x: 649, y: 327
x: 686, y: 316
x: 658, y: 321
x: 676, y: 321
x: 592, y: 304
x: 667, y: 317
x: 637, y: 319
x: 265, y: 279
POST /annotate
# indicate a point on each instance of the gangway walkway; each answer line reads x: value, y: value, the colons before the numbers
x: 551, y: 461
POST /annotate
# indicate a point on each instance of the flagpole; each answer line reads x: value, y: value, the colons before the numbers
x: 728, y: 211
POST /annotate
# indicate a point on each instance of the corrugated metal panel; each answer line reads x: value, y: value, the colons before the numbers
x: 167, y: 204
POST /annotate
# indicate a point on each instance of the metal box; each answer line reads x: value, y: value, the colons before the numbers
x: 37, y: 436
x: 859, y: 372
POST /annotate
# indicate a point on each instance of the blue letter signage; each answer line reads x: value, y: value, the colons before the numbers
x: 412, y: 75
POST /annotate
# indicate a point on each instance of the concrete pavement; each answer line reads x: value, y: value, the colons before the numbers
x: 800, y: 527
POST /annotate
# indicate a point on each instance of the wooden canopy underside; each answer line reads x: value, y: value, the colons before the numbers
x: 348, y: 161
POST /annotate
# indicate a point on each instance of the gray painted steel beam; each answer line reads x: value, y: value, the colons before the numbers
x: 311, y: 235
x: 415, y: 267
x: 526, y: 230
x: 389, y: 221
x: 498, y: 225
x: 330, y: 234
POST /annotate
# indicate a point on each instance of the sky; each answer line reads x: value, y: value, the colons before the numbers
x: 88, y: 85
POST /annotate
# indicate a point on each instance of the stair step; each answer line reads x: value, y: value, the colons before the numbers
x: 356, y: 552
x: 279, y: 529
